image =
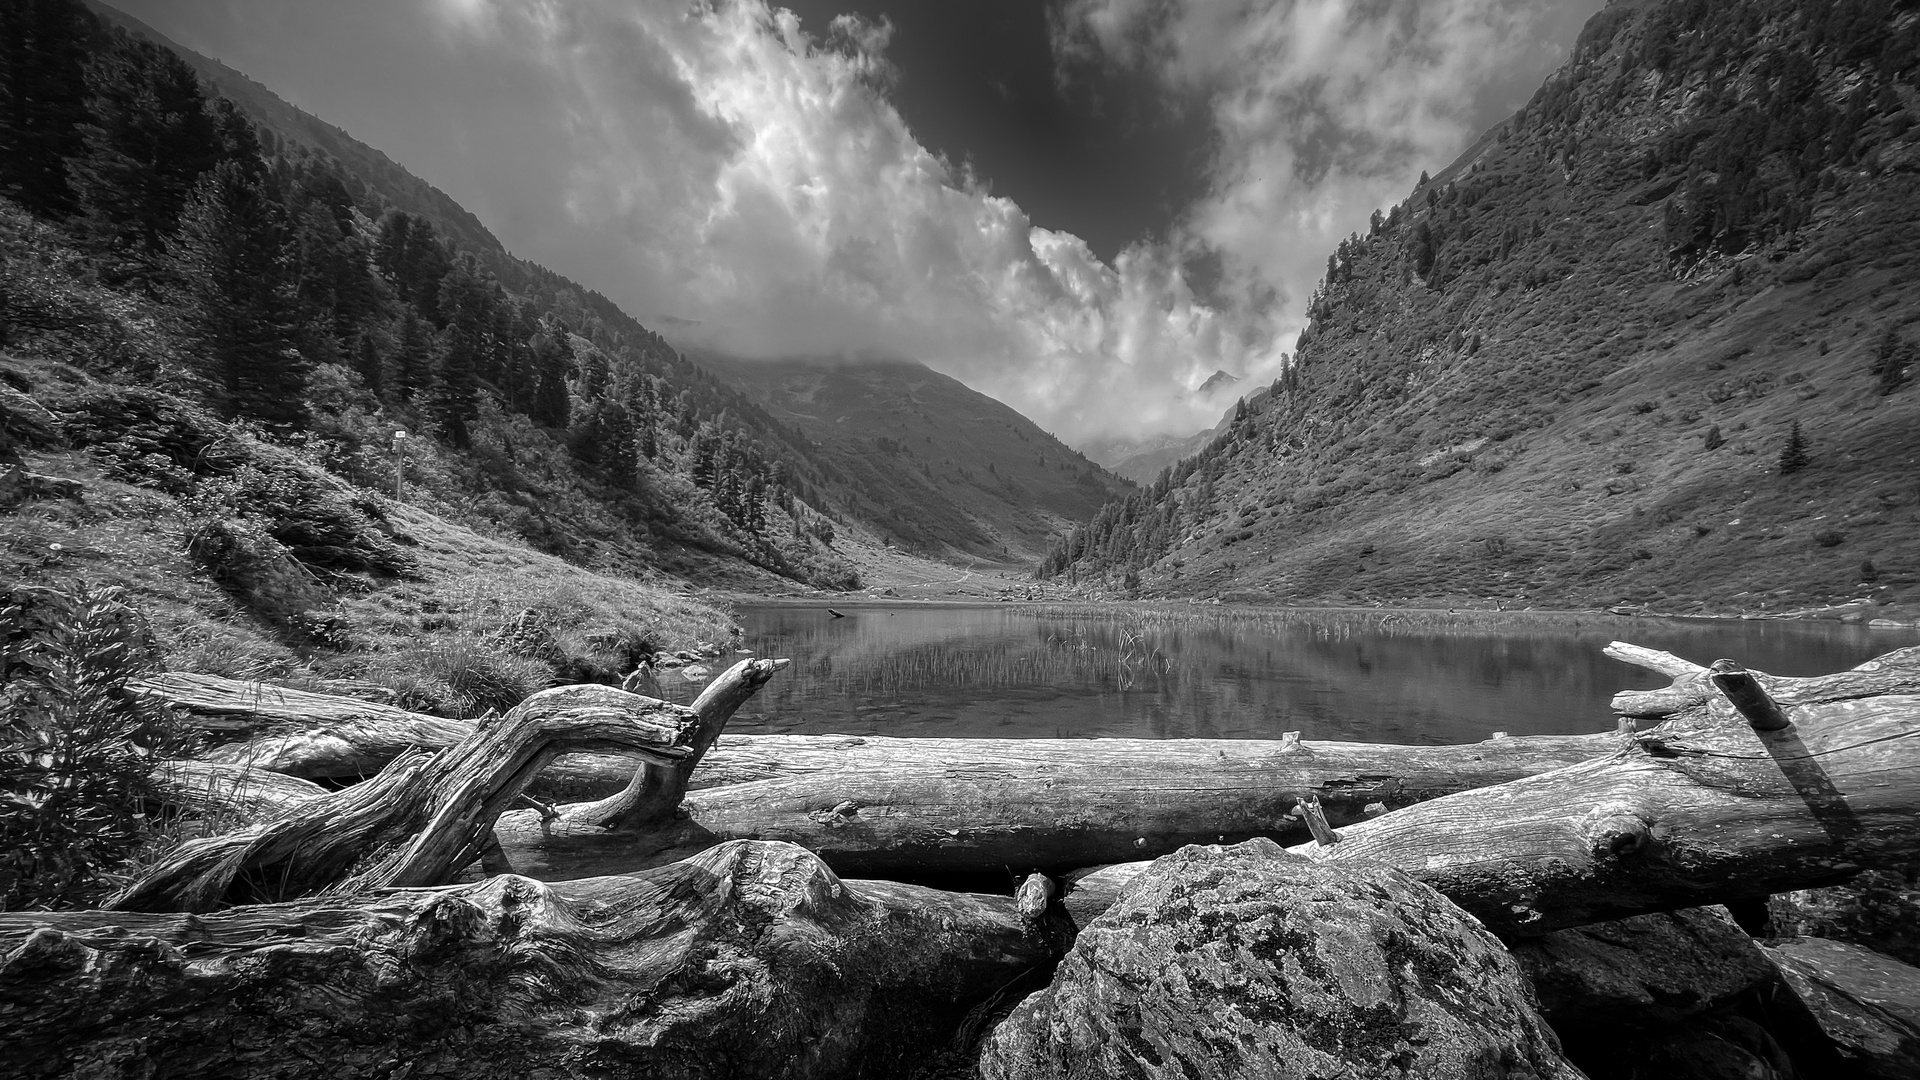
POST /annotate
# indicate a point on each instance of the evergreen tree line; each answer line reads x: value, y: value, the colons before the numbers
x: 277, y: 261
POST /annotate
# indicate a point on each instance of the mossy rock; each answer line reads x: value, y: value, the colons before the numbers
x: 1249, y: 961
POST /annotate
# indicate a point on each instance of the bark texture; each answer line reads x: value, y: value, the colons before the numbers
x: 978, y: 805
x: 419, y: 821
x: 1897, y: 672
x: 1250, y: 962
x: 1699, y: 809
x: 749, y: 960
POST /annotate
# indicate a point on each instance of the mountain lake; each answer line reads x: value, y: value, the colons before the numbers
x: 1213, y: 671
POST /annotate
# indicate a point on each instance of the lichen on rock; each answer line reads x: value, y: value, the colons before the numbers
x: 1249, y: 961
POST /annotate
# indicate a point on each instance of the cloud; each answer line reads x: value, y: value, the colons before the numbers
x: 1322, y: 110
x: 717, y: 165
x: 710, y: 162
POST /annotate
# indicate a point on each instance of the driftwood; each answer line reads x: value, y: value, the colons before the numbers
x: 876, y: 805
x: 220, y: 794
x: 1897, y: 672
x: 420, y: 820
x: 1044, y: 803
x: 1701, y: 809
x: 749, y: 960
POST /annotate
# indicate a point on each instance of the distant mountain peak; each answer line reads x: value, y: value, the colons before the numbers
x: 1215, y: 383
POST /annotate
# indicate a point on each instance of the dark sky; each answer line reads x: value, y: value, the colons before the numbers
x: 1109, y: 156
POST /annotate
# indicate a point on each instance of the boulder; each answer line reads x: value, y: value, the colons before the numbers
x: 1250, y: 961
x: 1866, y: 1003
x: 1641, y: 972
x: 1712, y: 1048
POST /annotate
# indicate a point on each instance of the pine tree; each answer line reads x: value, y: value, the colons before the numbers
x: 1794, y: 456
x: 149, y: 139
x: 413, y: 356
x: 1890, y: 358
x: 552, y: 360
x: 43, y: 92
x: 466, y: 302
x: 229, y: 257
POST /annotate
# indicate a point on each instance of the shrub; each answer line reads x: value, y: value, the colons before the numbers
x: 75, y: 760
x: 1829, y: 538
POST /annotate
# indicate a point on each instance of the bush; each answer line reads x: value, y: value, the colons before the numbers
x: 74, y: 766
x: 1829, y: 538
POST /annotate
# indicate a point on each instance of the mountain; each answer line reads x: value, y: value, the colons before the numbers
x: 1217, y: 383
x: 938, y: 467
x: 1568, y: 368
x: 1140, y: 460
x: 558, y: 418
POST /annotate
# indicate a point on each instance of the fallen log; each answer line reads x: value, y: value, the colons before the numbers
x: 219, y: 793
x: 1897, y: 672
x: 1702, y: 809
x: 877, y: 805
x: 420, y: 820
x: 1001, y: 806
x: 751, y: 960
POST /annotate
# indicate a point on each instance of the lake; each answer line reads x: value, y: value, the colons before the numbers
x: 1206, y: 671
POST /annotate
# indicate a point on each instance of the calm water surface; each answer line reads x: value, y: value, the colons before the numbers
x: 1026, y: 671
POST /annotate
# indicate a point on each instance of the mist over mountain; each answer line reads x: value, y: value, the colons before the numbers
x: 1648, y: 342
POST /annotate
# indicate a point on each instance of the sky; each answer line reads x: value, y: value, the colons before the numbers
x: 1080, y: 207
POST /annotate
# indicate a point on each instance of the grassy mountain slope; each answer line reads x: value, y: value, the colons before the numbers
x: 1564, y: 370
x: 936, y: 466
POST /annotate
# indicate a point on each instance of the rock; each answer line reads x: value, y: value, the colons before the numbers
x: 1249, y: 961
x: 1642, y: 972
x: 1724, y: 1048
x: 1866, y: 1003
x: 18, y: 485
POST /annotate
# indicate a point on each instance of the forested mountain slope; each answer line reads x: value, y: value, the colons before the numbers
x: 1650, y: 341
x: 260, y: 262
x: 939, y: 467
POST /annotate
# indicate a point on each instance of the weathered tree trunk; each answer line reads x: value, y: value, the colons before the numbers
x: 421, y: 819
x: 751, y: 960
x: 875, y: 805
x: 1013, y: 805
x: 221, y: 794
x: 1701, y: 809
x: 1897, y: 672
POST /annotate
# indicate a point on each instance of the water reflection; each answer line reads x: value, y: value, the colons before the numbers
x: 1178, y: 672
